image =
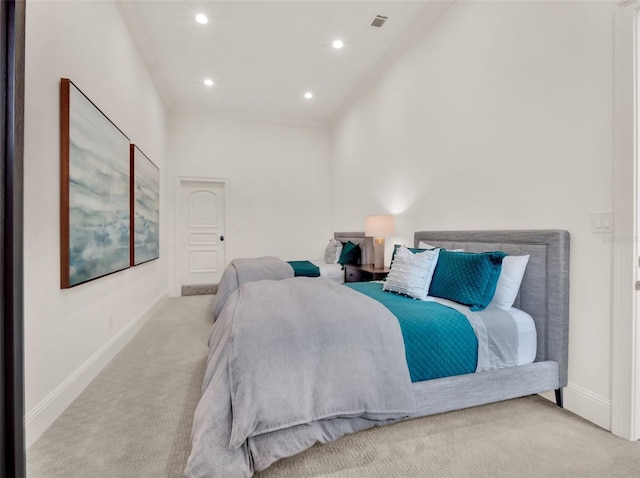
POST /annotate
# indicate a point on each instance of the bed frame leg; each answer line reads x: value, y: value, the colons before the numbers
x: 559, y: 397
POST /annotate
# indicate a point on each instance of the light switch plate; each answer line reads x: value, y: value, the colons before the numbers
x: 601, y: 222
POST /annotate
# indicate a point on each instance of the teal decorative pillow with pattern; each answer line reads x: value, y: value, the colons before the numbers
x: 467, y: 278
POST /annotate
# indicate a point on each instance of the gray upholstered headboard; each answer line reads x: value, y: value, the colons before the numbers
x: 544, y: 293
x: 365, y: 243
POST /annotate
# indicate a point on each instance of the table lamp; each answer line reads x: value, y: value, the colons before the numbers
x: 378, y: 227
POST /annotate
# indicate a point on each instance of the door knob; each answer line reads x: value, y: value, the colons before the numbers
x: 221, y: 238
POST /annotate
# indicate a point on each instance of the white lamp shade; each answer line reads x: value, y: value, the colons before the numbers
x: 379, y: 226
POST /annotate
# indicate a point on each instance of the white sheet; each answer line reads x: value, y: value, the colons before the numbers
x: 527, y: 336
x: 332, y: 272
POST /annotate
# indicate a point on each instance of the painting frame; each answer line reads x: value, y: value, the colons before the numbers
x: 145, y: 208
x: 94, y: 191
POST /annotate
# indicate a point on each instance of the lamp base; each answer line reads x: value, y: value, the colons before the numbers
x: 378, y: 252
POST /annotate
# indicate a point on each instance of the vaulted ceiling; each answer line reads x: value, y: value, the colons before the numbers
x: 263, y: 56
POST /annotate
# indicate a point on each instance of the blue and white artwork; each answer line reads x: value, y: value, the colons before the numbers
x: 99, y: 209
x: 146, y: 208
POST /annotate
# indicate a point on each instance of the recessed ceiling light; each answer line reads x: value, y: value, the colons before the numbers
x: 308, y: 95
x: 201, y: 18
x: 208, y: 82
x: 337, y: 44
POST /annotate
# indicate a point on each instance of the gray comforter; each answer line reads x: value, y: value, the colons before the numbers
x: 240, y: 271
x: 292, y: 363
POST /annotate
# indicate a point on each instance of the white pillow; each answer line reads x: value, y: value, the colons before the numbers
x: 411, y: 273
x: 513, y: 268
x: 332, y: 251
x: 426, y: 245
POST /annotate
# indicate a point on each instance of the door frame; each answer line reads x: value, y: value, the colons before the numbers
x: 175, y: 285
x: 12, y: 49
x: 625, y: 327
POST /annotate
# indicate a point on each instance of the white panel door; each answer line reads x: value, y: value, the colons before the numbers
x: 200, y: 232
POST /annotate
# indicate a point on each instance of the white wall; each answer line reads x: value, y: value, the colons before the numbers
x: 499, y: 117
x: 278, y: 196
x: 71, y: 334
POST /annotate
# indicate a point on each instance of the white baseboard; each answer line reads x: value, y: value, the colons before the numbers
x: 588, y: 405
x: 51, y: 407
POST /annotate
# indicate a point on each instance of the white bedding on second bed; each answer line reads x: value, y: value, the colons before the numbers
x: 332, y: 272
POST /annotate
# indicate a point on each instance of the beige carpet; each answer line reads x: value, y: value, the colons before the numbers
x: 527, y: 437
x: 134, y: 420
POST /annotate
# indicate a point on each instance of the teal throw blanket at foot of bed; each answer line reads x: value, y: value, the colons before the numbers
x: 439, y: 341
x: 304, y: 269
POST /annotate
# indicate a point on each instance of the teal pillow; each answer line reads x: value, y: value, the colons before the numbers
x: 467, y: 278
x: 350, y: 253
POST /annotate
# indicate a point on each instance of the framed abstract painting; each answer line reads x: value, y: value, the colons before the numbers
x: 145, y: 208
x: 94, y: 191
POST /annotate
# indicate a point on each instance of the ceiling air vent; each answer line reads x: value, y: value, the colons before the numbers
x: 378, y: 21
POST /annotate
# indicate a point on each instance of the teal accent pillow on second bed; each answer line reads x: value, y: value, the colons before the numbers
x: 467, y: 278
x: 350, y: 253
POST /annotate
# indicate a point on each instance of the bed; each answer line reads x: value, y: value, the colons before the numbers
x: 269, y: 392
x: 244, y: 270
x: 335, y: 271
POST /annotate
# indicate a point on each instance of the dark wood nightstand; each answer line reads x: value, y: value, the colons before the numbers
x: 363, y: 273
